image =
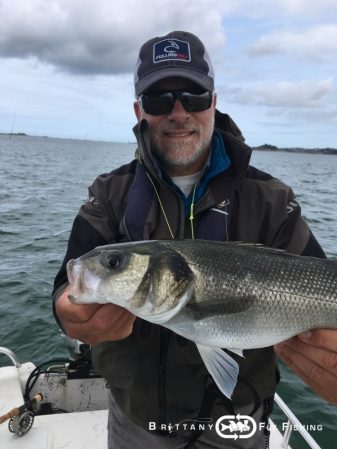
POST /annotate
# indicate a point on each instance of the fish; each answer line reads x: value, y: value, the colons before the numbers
x: 220, y: 295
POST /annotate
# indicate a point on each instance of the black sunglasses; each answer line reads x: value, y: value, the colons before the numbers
x: 163, y: 103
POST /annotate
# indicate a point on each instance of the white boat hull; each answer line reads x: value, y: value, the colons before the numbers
x: 80, y: 411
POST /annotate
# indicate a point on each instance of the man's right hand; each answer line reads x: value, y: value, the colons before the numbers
x: 93, y: 323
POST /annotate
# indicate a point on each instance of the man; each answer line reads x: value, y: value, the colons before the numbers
x: 191, y: 179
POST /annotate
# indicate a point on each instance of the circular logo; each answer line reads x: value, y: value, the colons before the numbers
x: 235, y: 427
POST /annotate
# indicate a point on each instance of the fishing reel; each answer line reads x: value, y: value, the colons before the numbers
x: 21, y: 424
x: 21, y: 419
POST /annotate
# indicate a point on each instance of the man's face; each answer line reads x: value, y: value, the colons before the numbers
x: 180, y: 139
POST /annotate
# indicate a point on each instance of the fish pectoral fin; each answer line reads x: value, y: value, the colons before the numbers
x: 222, y: 367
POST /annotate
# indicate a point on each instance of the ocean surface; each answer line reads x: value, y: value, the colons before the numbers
x: 44, y: 181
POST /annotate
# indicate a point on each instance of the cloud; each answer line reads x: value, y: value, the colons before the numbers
x: 98, y: 37
x: 303, y: 94
x: 316, y: 43
x: 103, y: 37
x: 313, y: 8
x: 314, y: 118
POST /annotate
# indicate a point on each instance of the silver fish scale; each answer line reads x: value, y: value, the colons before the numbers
x: 248, y: 296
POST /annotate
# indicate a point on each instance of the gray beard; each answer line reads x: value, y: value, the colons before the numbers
x: 167, y: 161
x: 202, y: 148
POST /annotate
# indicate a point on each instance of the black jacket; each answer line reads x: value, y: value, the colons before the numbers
x: 153, y: 374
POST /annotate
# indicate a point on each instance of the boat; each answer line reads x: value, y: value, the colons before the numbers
x: 62, y: 403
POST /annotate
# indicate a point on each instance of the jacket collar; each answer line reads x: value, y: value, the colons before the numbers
x: 142, y: 219
x: 239, y: 153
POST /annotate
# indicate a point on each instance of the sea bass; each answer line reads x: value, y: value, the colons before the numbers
x: 219, y: 295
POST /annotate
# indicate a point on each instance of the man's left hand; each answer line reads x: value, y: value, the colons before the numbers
x: 313, y: 357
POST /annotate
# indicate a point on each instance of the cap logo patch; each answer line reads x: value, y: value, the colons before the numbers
x: 171, y: 50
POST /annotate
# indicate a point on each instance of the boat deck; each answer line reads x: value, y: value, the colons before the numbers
x: 79, y: 429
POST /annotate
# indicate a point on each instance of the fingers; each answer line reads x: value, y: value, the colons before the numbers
x: 74, y: 313
x: 93, y: 323
x: 106, y: 321
x: 120, y: 329
x: 322, y: 357
x: 316, y: 366
x: 321, y: 338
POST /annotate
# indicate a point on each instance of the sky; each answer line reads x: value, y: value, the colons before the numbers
x: 66, y: 66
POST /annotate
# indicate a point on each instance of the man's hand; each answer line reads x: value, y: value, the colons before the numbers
x: 93, y: 323
x: 313, y: 357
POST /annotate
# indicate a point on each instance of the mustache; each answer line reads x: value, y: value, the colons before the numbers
x: 169, y: 128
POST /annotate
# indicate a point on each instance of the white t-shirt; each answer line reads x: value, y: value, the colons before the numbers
x: 186, y: 183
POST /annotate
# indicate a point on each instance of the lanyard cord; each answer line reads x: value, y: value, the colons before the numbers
x: 161, y: 206
x: 163, y: 210
x: 158, y: 197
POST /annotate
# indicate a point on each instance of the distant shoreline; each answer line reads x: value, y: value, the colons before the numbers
x: 267, y: 147
x: 14, y: 134
x: 264, y: 147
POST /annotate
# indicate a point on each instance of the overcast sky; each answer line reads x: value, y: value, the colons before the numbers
x: 66, y: 66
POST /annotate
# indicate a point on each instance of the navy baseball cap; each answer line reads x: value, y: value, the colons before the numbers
x: 178, y: 54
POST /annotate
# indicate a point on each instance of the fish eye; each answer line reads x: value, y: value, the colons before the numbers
x: 114, y: 261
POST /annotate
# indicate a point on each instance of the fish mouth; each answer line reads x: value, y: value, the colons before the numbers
x: 73, y: 271
x: 83, y: 283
